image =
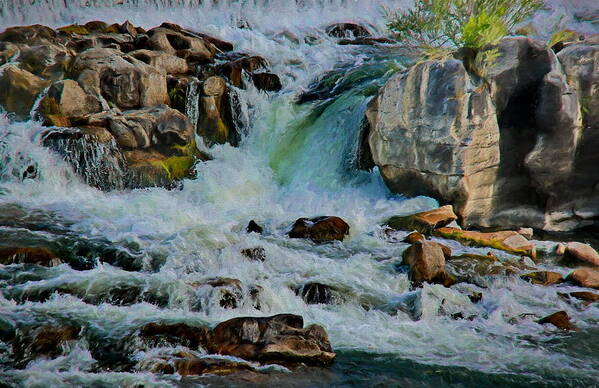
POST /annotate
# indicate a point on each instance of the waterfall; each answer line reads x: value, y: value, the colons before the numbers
x: 297, y: 159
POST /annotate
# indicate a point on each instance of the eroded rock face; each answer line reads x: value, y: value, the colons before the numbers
x: 320, y: 229
x: 512, y: 150
x: 434, y: 132
x: 280, y: 338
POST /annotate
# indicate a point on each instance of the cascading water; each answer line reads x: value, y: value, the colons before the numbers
x: 296, y: 161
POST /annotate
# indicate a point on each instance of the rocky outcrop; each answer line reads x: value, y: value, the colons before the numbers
x: 348, y: 29
x: 280, y: 338
x: 513, y: 148
x: 320, y: 229
x: 114, y: 86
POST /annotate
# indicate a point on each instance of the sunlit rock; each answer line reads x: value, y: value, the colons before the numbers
x: 20, y: 89
x: 560, y: 319
x: 582, y: 254
x: 423, y: 222
x: 507, y: 240
x: 544, y: 278
x: 585, y: 277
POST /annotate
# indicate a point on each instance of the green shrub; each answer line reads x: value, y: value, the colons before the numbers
x: 459, y: 23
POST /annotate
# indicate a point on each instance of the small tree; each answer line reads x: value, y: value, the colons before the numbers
x: 459, y: 23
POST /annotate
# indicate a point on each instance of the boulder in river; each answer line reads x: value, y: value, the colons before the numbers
x: 20, y: 89
x: 560, y: 319
x: 253, y: 227
x: 544, y: 278
x: 316, y: 293
x: 175, y: 334
x: 585, y: 277
x: 320, y: 229
x: 509, y: 241
x: 347, y: 30
x: 206, y: 365
x: 43, y: 341
x: 280, y: 338
x: 423, y: 222
x: 426, y: 261
x: 582, y: 254
x: 255, y: 254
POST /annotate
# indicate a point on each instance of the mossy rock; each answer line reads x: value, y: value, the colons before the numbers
x: 508, y: 241
x: 74, y: 29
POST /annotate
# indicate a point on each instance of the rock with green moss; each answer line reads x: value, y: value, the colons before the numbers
x: 506, y: 240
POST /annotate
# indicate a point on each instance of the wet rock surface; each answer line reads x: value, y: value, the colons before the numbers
x: 320, y: 229
x: 116, y: 77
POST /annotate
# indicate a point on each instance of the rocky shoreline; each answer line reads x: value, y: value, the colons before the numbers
x: 126, y: 107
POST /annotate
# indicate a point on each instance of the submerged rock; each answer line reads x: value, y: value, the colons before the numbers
x: 316, y: 293
x: 214, y: 366
x: 509, y: 241
x: 29, y: 255
x: 560, y: 319
x: 255, y: 254
x: 347, y: 30
x: 43, y: 341
x: 544, y: 278
x: 585, y: 277
x: 586, y: 296
x: 320, y: 229
x: 424, y: 222
x: 178, y: 334
x: 471, y: 267
x: 280, y: 338
x: 253, y: 227
x: 580, y: 253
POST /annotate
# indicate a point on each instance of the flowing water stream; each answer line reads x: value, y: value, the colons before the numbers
x: 297, y: 160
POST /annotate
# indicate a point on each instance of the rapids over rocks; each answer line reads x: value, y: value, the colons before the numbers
x: 147, y: 286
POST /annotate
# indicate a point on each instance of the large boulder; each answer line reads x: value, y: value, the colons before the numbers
x: 119, y: 79
x: 426, y: 261
x: 29, y: 255
x: 280, y: 338
x: 215, y: 117
x: 66, y: 100
x: 46, y: 61
x: 433, y: 131
x: 507, y: 149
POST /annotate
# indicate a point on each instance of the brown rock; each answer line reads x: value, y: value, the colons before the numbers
x: 215, y: 366
x: 255, y: 254
x: 193, y: 337
x: 426, y: 261
x: 214, y: 86
x: 424, y: 222
x: 234, y: 69
x: 96, y: 26
x: 20, y: 89
x: 112, y: 76
x: 218, y: 43
x: 585, y: 277
x: 369, y: 41
x: 280, y: 338
x: 560, y: 249
x: 47, y: 60
x: 267, y: 81
x: 586, y: 296
x: 168, y: 63
x: 560, y: 319
x: 526, y: 232
x: 320, y: 229
x: 66, y: 99
x: 509, y: 241
x: 30, y: 35
x: 45, y: 341
x: 580, y: 253
x: 414, y: 237
x: 544, y: 278
x: 32, y: 255
x: 215, y: 118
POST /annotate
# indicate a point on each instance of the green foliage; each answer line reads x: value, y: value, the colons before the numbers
x: 459, y: 23
x: 484, y: 61
x: 561, y: 36
x: 483, y: 29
